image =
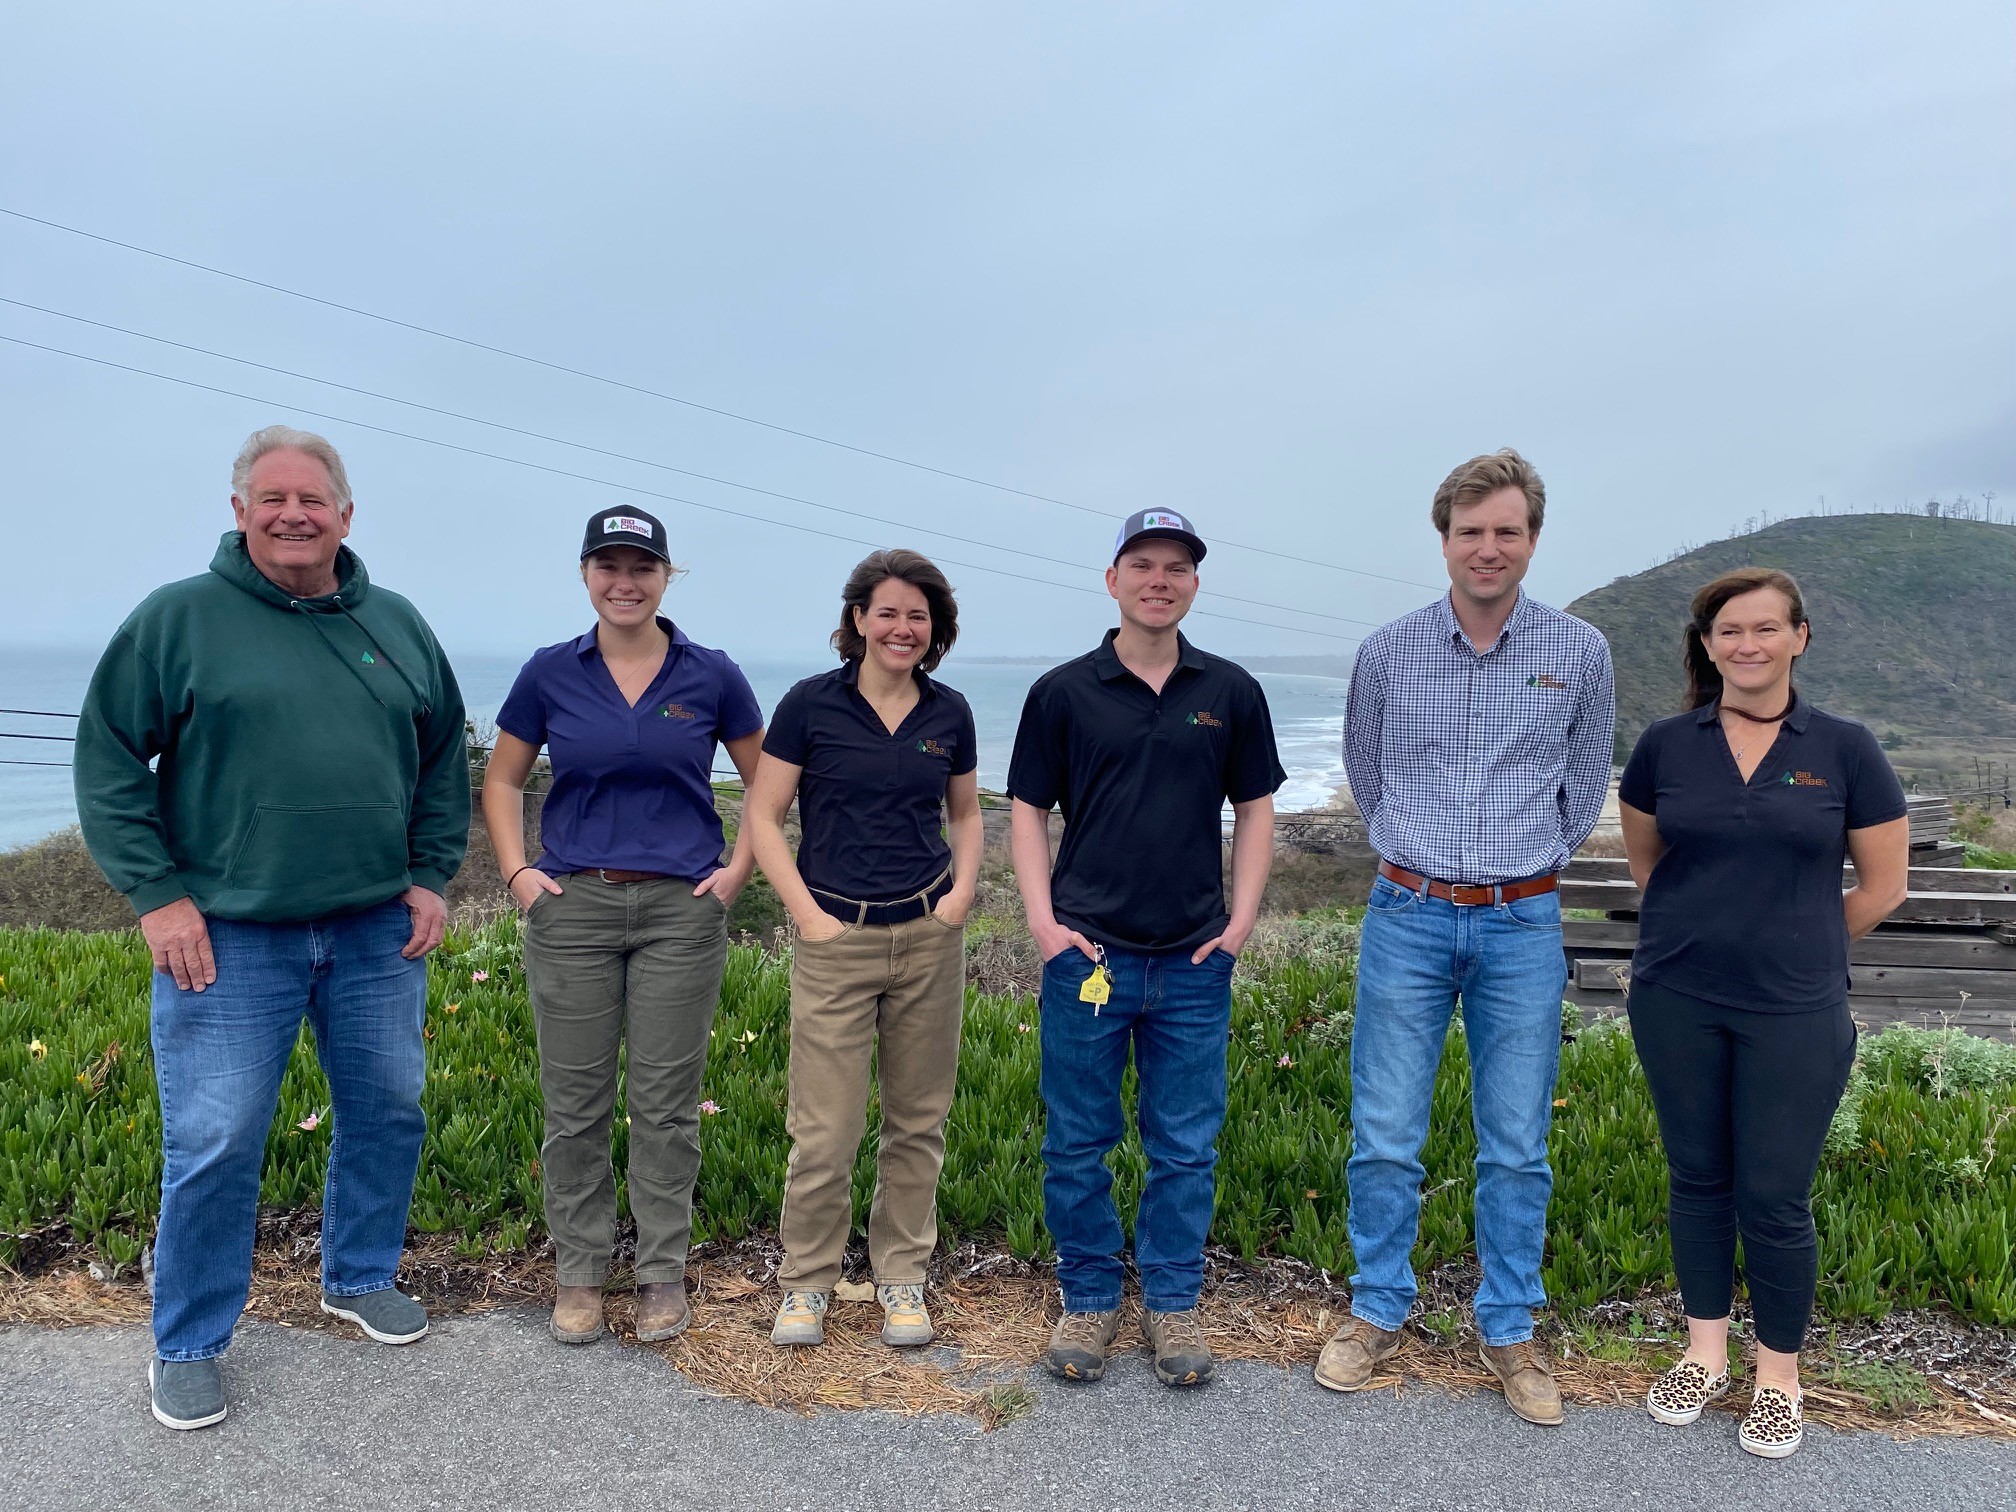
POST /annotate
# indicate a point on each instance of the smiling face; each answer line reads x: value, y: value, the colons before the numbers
x: 293, y: 525
x: 1154, y: 582
x: 1753, y: 643
x: 896, y: 626
x: 1488, y: 548
x: 625, y: 585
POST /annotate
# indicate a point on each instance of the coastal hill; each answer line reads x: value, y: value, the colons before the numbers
x: 1914, y: 622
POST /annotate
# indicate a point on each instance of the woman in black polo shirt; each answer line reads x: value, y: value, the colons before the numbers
x: 1737, y: 816
x: 881, y: 760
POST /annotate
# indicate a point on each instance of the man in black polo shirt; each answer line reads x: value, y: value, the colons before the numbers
x: 1140, y: 742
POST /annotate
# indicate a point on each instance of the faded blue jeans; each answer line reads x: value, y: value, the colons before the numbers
x: 1417, y: 956
x: 1176, y: 1018
x: 218, y: 1058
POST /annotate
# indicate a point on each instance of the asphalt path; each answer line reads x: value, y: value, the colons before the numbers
x: 487, y: 1412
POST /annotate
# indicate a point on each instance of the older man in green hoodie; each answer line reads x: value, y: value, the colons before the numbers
x: 271, y: 766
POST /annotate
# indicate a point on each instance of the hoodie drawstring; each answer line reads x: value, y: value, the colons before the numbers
x: 334, y: 650
x: 419, y: 698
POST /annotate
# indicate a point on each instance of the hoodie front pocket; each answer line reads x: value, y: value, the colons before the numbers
x: 288, y: 848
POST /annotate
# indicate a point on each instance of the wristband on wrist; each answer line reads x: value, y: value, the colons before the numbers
x: 515, y: 875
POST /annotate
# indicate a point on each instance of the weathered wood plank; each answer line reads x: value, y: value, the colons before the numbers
x: 1891, y: 945
x: 1919, y: 908
x: 1874, y: 1014
x: 1925, y: 983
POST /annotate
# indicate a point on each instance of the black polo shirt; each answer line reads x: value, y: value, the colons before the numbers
x: 1142, y: 779
x: 871, y: 804
x: 1744, y: 907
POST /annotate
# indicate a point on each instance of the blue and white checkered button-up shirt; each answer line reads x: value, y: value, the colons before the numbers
x: 1481, y: 767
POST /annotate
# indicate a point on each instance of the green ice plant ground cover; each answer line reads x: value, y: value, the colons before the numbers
x: 1916, y: 1198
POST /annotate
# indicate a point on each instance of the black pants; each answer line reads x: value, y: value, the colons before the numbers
x: 1744, y: 1100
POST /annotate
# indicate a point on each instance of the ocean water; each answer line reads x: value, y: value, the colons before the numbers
x: 36, y: 799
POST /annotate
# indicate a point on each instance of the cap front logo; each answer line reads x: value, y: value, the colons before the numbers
x: 1162, y: 519
x: 625, y: 524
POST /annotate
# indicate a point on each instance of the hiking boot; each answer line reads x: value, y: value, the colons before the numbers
x: 1774, y: 1427
x: 1679, y: 1396
x: 187, y: 1393
x: 1354, y: 1354
x: 389, y: 1316
x: 802, y: 1318
x: 1529, y: 1385
x: 577, y: 1315
x: 1078, y: 1343
x: 1182, y: 1358
x: 662, y: 1311
x: 905, y: 1319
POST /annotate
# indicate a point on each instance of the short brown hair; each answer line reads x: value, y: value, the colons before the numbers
x: 1704, y: 682
x: 1481, y: 477
x: 921, y: 573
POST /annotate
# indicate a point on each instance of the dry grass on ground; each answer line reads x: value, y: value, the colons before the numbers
x: 1910, y: 1376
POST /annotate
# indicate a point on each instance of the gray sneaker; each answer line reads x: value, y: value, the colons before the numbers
x: 187, y: 1393
x: 389, y: 1316
x: 1078, y: 1344
x: 1182, y: 1358
x: 802, y: 1318
x: 905, y: 1319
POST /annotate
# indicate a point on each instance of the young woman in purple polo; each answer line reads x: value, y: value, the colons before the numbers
x: 626, y: 910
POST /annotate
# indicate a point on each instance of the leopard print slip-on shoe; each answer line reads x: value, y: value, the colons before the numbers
x: 1679, y: 1396
x: 1775, y: 1425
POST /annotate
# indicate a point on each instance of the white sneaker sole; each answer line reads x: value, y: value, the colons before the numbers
x: 383, y: 1338
x: 1771, y: 1451
x: 180, y: 1425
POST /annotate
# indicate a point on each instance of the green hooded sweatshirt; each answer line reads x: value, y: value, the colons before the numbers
x: 312, y: 751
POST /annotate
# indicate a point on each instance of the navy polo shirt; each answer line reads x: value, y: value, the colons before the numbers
x: 1744, y: 907
x: 632, y: 787
x: 1142, y: 779
x: 871, y: 805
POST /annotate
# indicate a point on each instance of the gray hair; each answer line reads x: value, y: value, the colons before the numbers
x: 285, y: 438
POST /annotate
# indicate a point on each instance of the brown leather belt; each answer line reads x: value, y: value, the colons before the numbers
x: 610, y: 874
x: 1469, y: 894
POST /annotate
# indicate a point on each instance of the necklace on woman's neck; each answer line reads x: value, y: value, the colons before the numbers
x: 1760, y: 720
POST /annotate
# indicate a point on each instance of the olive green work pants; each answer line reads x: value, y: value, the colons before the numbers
x: 609, y: 964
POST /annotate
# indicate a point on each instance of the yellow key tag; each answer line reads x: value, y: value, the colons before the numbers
x: 1098, y: 987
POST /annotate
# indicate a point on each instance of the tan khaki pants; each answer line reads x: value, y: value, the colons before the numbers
x: 894, y: 992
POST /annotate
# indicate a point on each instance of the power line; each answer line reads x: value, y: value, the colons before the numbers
x: 560, y: 367
x: 17, y: 735
x: 40, y: 713
x: 600, y: 451
x: 649, y: 493
x: 10, y: 761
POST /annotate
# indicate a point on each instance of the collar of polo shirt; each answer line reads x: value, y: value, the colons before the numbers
x: 1112, y: 669
x: 850, y: 674
x: 584, y: 645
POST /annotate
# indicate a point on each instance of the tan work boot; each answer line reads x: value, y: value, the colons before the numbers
x: 1078, y: 1343
x: 1182, y: 1358
x: 1529, y: 1385
x: 906, y: 1321
x: 577, y: 1315
x: 801, y: 1320
x: 662, y: 1311
x: 1354, y: 1354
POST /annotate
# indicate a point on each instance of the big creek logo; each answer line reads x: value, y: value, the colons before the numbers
x: 1547, y: 680
x: 932, y: 748
x: 676, y: 711
x: 1206, y: 718
x: 1802, y: 779
x: 368, y: 659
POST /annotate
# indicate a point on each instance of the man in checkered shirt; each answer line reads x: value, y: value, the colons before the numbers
x: 1478, y: 744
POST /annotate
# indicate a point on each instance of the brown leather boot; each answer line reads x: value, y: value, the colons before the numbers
x: 1354, y: 1354
x: 1529, y: 1384
x: 662, y: 1311
x: 577, y: 1315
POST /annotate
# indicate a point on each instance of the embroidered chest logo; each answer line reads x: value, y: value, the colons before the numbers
x: 1802, y: 779
x: 368, y: 659
x: 676, y: 711
x: 1547, y: 680
x: 1206, y: 718
x: 932, y: 748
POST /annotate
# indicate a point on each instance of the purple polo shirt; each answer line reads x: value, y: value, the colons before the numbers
x: 632, y: 787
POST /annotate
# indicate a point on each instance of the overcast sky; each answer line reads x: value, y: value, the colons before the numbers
x: 1277, y: 266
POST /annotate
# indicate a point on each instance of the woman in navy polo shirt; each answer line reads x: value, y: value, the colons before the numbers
x: 626, y: 931
x: 1737, y: 816
x: 881, y: 759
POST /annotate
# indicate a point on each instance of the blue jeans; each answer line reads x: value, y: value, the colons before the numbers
x: 1177, y: 1017
x: 218, y: 1058
x: 1417, y: 956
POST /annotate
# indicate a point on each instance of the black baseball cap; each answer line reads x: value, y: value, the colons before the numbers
x: 624, y: 527
x: 1158, y: 524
